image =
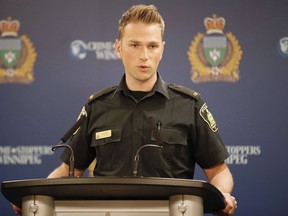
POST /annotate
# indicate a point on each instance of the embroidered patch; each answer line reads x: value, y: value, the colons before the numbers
x: 83, y: 112
x: 208, y: 117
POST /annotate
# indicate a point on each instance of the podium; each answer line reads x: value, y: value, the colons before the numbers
x: 113, y: 196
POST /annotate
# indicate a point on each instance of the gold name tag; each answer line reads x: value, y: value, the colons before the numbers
x: 103, y: 134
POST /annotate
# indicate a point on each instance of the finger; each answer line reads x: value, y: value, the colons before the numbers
x: 16, y: 209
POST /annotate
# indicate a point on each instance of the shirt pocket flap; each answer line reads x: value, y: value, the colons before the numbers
x: 106, y: 136
x: 171, y: 136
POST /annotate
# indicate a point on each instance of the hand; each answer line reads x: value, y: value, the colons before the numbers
x: 16, y: 209
x: 231, y: 206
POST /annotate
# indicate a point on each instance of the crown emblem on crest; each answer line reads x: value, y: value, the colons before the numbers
x: 215, y: 56
x: 214, y: 24
x: 9, y: 27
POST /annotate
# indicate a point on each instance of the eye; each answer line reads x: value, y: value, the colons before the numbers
x: 134, y: 45
x: 153, y: 46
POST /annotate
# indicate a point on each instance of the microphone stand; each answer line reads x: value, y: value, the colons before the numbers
x: 64, y: 139
x: 137, y: 157
x: 71, y: 160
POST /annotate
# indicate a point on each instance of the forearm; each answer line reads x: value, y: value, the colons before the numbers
x: 58, y: 172
x: 221, y: 178
x: 223, y: 181
x: 63, y: 170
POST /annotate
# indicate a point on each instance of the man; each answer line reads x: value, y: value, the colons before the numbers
x: 144, y: 109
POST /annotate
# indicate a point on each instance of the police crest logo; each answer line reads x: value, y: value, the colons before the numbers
x: 17, y: 54
x: 208, y: 117
x: 215, y: 56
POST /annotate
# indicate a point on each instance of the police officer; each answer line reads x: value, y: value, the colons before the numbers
x: 143, y: 109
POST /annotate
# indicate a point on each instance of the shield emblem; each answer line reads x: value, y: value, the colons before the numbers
x: 10, y: 51
x: 215, y: 49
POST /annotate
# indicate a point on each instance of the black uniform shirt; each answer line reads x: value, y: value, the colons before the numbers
x: 172, y: 116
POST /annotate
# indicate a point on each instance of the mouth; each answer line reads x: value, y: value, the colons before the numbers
x: 143, y: 67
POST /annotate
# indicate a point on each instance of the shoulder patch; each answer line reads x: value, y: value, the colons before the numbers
x: 101, y: 93
x: 185, y: 90
x: 208, y: 117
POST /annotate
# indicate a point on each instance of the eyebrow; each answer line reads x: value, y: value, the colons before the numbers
x: 138, y: 42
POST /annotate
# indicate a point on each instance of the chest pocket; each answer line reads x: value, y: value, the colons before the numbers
x: 171, y: 136
x: 175, y: 155
x: 107, y: 144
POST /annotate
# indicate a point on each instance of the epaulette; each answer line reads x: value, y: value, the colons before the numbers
x: 101, y: 93
x: 185, y: 90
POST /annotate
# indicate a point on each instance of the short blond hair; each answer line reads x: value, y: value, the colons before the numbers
x: 141, y: 13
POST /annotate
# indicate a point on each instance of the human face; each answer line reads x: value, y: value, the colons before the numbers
x: 140, y: 49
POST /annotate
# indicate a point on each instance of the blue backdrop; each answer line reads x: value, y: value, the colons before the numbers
x: 66, y: 53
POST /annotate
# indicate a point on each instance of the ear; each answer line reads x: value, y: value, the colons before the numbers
x: 117, y: 46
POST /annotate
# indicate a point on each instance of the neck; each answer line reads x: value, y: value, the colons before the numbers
x: 141, y: 85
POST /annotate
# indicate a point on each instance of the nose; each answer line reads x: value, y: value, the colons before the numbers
x: 144, y: 54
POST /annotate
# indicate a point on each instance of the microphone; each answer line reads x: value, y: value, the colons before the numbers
x: 71, y: 161
x: 136, y: 158
x: 64, y: 139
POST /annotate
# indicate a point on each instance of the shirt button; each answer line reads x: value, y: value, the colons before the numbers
x: 170, y: 139
x: 137, y: 130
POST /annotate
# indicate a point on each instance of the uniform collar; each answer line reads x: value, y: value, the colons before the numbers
x: 160, y: 86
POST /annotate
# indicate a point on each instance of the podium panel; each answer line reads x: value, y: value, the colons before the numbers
x: 112, y: 208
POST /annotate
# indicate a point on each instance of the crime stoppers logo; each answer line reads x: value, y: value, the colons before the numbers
x: 240, y: 154
x: 17, y: 54
x: 283, y: 46
x: 23, y: 155
x: 215, y: 56
x: 104, y: 50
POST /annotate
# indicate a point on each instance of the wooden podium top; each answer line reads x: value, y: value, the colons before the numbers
x: 113, y: 188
